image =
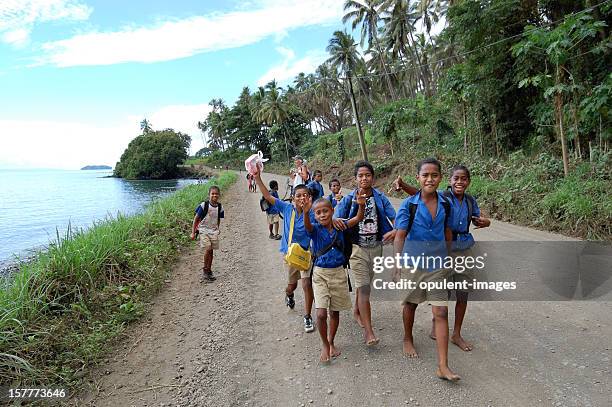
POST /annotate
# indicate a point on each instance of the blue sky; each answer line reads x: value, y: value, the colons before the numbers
x: 77, y: 76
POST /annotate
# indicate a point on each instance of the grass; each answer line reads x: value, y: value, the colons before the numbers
x: 61, y: 310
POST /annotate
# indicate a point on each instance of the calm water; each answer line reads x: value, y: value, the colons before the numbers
x: 33, y: 203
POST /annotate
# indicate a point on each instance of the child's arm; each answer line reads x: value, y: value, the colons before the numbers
x: 306, y: 208
x: 361, y: 201
x: 400, y: 184
x: 448, y: 237
x: 398, y: 248
x: 481, y: 222
x: 264, y: 190
x: 194, y: 227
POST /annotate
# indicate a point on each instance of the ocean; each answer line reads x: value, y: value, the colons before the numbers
x: 35, y: 204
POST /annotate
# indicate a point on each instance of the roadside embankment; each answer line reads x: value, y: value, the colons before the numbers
x: 61, y: 310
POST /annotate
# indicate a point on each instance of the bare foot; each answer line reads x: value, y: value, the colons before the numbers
x: 324, y: 355
x: 462, y: 343
x: 333, y: 351
x: 371, y: 340
x: 409, y: 350
x: 445, y: 373
x: 357, y: 318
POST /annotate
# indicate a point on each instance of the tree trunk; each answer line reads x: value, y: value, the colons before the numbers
x: 364, y: 153
x: 286, y: 147
x: 384, y: 66
x: 465, y: 132
x: 561, y: 132
x: 577, y: 139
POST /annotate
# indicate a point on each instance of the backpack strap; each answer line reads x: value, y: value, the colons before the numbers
x: 412, y: 208
x: 447, y: 210
x: 470, y: 205
x: 205, y: 206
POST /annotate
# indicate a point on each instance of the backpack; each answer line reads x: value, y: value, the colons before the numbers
x: 470, y: 201
x: 205, y: 206
x: 264, y: 204
x: 413, y: 208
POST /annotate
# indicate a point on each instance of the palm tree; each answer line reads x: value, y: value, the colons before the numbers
x: 145, y: 126
x: 365, y: 13
x: 344, y: 56
x: 274, y: 110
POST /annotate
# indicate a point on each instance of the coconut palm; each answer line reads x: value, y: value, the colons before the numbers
x: 365, y: 12
x: 344, y: 56
x: 274, y: 110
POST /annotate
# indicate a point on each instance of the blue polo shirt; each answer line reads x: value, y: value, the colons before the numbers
x: 459, y: 221
x: 273, y: 210
x: 333, y: 201
x: 317, y: 189
x: 426, y: 237
x: 321, y: 238
x: 299, y: 231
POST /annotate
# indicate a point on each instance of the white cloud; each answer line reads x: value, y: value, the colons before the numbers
x: 289, y: 68
x: 71, y: 145
x: 175, y: 39
x: 18, y: 17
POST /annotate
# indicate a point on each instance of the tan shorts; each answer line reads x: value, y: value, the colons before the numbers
x: 362, y: 264
x: 272, y: 219
x: 419, y: 295
x: 331, y: 289
x: 293, y: 274
x: 467, y: 274
x: 209, y: 241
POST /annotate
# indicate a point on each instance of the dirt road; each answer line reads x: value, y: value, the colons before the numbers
x: 233, y: 342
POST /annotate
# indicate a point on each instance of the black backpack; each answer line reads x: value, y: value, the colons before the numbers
x: 470, y: 202
x: 264, y: 204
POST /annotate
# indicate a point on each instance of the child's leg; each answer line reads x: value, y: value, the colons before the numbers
x: 356, y: 314
x: 441, y: 317
x: 460, y: 309
x: 270, y: 227
x: 308, y: 295
x: 334, y: 321
x: 322, y: 327
x: 208, y: 259
x: 365, y: 313
x: 276, y: 226
x: 408, y: 318
x: 290, y: 288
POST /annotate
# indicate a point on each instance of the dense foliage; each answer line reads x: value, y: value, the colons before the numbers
x: 154, y: 155
x: 500, y: 76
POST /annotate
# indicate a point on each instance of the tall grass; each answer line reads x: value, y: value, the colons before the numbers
x: 61, y: 309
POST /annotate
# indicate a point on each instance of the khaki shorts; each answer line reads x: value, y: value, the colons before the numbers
x: 209, y: 241
x: 362, y: 264
x: 272, y: 219
x: 331, y: 289
x: 419, y: 295
x: 293, y: 274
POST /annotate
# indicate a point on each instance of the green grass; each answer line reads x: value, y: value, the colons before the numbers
x: 60, y: 311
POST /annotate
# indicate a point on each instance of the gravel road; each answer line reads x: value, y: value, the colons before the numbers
x: 234, y: 343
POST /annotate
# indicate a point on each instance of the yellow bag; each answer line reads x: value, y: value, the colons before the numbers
x: 296, y: 256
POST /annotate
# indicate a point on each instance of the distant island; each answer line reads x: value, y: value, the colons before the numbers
x: 97, y: 167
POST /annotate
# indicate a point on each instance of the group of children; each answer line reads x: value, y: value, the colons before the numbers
x: 351, y: 230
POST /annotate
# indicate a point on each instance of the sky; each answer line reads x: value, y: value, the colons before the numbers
x: 78, y: 76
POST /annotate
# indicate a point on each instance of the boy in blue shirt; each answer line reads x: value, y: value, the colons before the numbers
x: 300, y: 197
x: 336, y: 195
x: 367, y: 238
x: 465, y: 212
x: 272, y: 213
x: 316, y: 189
x: 329, y: 278
x: 422, y: 230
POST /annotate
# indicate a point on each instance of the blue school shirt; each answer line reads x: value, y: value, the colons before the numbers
x: 426, y: 237
x: 459, y: 222
x: 321, y: 238
x: 317, y: 189
x: 272, y: 210
x: 333, y: 201
x: 384, y: 210
x: 299, y: 231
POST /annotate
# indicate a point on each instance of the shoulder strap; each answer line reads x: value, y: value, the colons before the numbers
x: 327, y: 248
x: 291, y: 227
x: 204, y: 206
x: 470, y: 205
x: 447, y: 210
x: 412, y: 208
